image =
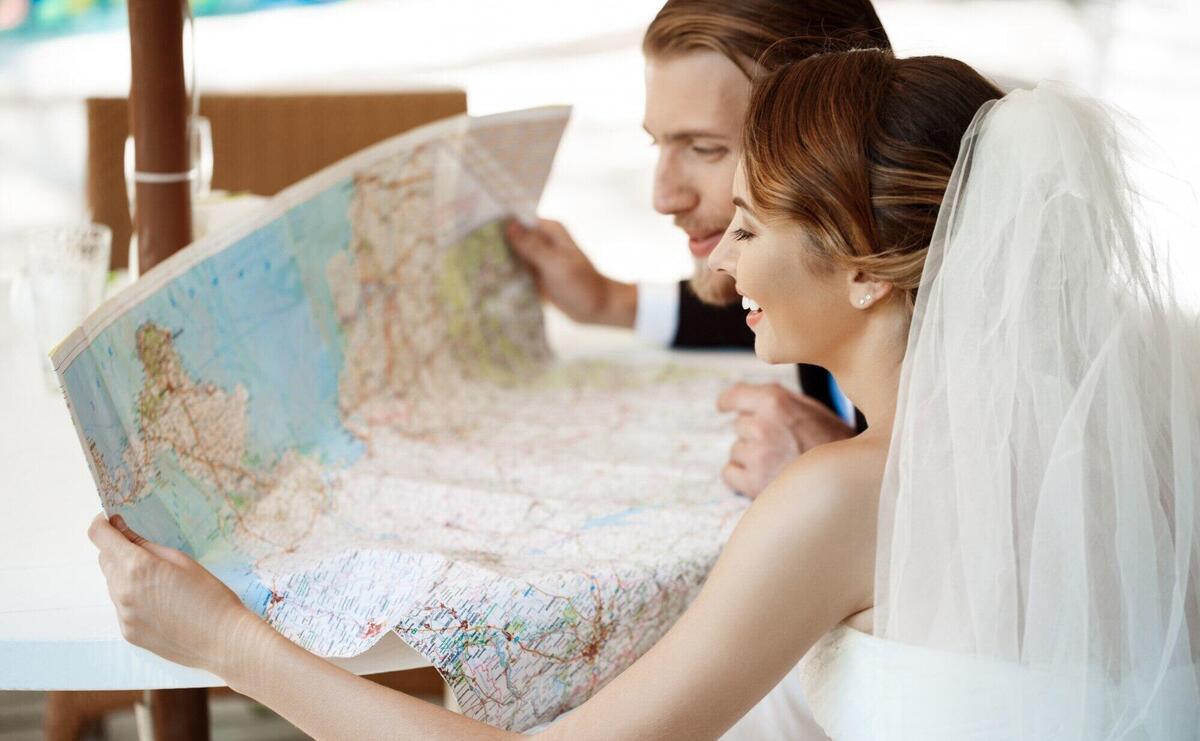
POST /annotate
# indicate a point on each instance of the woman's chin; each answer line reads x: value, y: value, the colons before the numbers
x: 770, y: 352
x: 762, y: 349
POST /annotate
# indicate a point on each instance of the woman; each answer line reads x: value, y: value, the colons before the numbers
x: 1019, y: 524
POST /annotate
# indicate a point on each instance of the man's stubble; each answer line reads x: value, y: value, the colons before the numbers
x: 712, y: 287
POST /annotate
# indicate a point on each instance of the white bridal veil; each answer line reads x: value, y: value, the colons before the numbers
x: 1040, y: 503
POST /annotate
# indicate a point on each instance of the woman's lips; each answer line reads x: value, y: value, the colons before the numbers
x: 753, y: 318
x: 702, y: 247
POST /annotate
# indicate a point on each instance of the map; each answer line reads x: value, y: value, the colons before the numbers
x: 346, y: 408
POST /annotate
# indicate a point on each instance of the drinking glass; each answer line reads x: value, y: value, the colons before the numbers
x: 66, y: 267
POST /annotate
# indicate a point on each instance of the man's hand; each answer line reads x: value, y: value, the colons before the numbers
x: 567, y: 279
x: 773, y: 427
x: 166, y: 602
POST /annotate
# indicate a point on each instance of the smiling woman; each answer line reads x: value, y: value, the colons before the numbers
x: 827, y: 227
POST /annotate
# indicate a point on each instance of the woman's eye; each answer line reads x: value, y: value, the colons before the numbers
x: 742, y: 235
x: 710, y: 151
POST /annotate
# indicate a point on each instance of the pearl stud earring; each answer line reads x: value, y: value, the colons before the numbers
x: 863, y: 301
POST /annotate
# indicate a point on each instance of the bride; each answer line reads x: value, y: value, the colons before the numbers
x: 1010, y: 551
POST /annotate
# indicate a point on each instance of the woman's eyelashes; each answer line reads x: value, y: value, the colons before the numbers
x: 742, y: 235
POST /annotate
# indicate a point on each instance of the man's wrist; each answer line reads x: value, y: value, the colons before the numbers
x: 620, y: 304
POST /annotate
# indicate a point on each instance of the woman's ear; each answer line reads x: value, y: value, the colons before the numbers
x: 865, y: 291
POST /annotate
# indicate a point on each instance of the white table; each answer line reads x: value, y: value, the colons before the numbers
x: 58, y: 628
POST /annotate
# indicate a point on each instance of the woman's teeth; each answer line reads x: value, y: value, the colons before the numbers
x: 749, y: 305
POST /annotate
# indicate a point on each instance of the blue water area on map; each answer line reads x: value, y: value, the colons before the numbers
x: 613, y: 518
x: 258, y: 315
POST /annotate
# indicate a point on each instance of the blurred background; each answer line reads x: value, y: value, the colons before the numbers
x: 1143, y: 55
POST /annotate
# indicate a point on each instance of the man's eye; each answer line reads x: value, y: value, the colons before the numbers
x: 742, y: 235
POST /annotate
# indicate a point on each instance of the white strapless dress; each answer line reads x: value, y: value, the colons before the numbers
x: 937, y: 695
x: 842, y: 674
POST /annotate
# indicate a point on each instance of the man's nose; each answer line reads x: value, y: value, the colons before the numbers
x: 673, y: 193
x: 724, y: 257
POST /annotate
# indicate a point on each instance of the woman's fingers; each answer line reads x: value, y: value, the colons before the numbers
x: 107, y: 538
x: 122, y: 527
x: 166, y: 553
x: 125, y: 565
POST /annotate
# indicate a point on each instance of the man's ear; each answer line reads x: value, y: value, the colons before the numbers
x: 865, y: 291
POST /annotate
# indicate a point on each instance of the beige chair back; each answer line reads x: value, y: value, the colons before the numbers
x: 261, y: 143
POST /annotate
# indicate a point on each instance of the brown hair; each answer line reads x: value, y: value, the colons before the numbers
x: 858, y: 147
x: 744, y: 30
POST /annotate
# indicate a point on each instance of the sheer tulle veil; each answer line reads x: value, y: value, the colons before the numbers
x: 1039, y: 507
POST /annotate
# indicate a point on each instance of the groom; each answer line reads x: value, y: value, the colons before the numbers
x: 700, y: 56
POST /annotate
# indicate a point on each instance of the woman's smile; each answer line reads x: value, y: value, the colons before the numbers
x: 755, y: 310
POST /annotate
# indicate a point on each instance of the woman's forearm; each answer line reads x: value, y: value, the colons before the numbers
x: 326, y: 701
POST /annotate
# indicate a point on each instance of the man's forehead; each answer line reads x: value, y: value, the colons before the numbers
x: 695, y: 94
x: 741, y: 194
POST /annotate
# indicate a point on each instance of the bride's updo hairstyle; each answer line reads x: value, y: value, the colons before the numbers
x: 857, y: 147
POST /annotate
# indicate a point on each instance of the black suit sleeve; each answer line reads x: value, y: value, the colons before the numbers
x: 703, y: 325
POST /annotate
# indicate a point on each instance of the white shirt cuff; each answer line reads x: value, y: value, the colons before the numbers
x: 657, y: 317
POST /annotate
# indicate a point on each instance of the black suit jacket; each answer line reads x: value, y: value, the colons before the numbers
x: 703, y: 325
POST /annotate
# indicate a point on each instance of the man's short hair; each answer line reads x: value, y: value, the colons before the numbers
x: 745, y: 30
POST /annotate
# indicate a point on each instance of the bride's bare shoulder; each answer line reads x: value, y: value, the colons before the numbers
x: 818, y: 518
x: 844, y: 476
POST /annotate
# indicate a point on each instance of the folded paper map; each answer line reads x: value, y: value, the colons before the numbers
x: 345, y: 408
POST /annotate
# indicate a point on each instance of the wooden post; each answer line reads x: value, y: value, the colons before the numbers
x: 158, y: 107
x: 177, y: 714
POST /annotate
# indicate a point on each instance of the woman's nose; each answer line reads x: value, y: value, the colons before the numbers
x: 724, y: 257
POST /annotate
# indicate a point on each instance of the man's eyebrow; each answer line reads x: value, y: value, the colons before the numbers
x: 687, y: 135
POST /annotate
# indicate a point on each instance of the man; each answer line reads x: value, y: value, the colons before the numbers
x: 700, y: 58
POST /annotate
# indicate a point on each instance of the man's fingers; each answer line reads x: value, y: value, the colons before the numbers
x: 737, y: 453
x: 737, y: 478
x: 554, y: 232
x: 766, y: 399
x: 750, y: 427
x: 731, y: 397
x: 514, y: 231
x: 810, y: 404
x: 742, y: 480
x: 529, y: 244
